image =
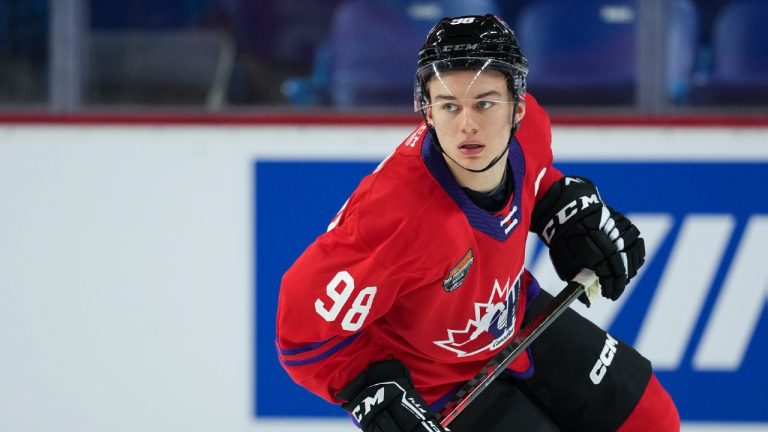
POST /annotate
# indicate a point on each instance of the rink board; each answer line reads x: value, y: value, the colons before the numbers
x: 697, y: 309
x: 140, y: 266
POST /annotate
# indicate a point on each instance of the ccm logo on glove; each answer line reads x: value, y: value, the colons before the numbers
x: 568, y: 211
x: 369, y: 402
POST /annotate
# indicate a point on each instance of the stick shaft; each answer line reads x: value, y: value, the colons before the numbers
x: 586, y: 281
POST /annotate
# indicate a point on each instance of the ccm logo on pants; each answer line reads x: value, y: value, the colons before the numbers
x: 605, y: 359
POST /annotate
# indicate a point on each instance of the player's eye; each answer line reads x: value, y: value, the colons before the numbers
x: 484, y: 104
x: 450, y: 107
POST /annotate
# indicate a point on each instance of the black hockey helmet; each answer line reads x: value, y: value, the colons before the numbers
x: 469, y: 43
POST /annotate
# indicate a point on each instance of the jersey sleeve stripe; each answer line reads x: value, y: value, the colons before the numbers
x: 322, y: 355
x: 304, y: 348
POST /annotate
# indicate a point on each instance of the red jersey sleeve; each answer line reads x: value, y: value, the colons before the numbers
x: 535, y: 136
x: 326, y: 299
x: 337, y: 288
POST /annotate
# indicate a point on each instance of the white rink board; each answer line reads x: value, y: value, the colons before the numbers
x: 126, y: 268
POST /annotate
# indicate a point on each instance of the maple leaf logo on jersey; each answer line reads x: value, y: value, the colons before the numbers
x: 492, y: 324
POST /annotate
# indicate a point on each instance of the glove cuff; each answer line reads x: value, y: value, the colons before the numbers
x: 382, y: 371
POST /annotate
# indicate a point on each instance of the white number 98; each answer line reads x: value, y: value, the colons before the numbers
x: 339, y: 289
x: 467, y: 20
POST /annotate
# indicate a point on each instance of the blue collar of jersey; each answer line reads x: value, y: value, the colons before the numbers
x: 500, y: 226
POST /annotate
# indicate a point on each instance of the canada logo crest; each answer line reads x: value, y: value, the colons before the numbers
x: 492, y: 323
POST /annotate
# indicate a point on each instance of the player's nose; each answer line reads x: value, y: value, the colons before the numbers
x: 469, y: 123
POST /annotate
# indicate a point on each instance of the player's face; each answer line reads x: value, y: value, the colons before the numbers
x: 472, y: 115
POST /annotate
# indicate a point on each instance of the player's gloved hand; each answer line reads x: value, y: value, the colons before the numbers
x: 582, y: 232
x: 383, y: 399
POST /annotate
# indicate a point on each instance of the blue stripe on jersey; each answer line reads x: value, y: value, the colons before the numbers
x: 327, y: 353
x: 305, y: 348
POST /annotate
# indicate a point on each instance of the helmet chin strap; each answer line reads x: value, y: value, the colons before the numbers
x: 493, y: 162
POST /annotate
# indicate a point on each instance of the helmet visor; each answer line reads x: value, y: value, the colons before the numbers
x: 483, y: 79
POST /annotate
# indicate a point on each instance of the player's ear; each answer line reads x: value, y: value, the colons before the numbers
x: 520, y: 110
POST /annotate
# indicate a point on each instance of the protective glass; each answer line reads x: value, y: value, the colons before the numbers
x: 447, y: 96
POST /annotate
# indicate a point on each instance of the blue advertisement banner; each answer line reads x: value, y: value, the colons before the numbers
x: 699, y: 307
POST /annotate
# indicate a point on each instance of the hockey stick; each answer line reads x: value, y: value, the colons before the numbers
x: 584, y: 282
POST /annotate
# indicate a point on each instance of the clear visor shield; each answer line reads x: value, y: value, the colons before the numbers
x: 461, y: 81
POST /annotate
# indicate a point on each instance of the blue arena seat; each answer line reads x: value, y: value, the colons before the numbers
x: 372, y: 50
x: 580, y: 52
x: 427, y: 12
x: 739, y: 65
x: 145, y: 14
x: 585, y: 52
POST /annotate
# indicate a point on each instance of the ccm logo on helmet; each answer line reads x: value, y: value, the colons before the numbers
x: 605, y: 360
x: 459, y: 47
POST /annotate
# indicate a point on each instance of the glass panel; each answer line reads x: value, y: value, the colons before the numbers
x: 23, y: 52
x: 146, y: 52
x: 353, y: 54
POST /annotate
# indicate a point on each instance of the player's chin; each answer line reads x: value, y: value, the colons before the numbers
x: 471, y: 161
x: 474, y: 163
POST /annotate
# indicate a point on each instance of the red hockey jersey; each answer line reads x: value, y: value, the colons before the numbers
x: 412, y: 269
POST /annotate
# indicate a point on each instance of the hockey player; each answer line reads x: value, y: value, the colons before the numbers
x: 419, y: 279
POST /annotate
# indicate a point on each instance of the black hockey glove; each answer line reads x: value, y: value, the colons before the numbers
x: 582, y: 232
x: 382, y: 399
